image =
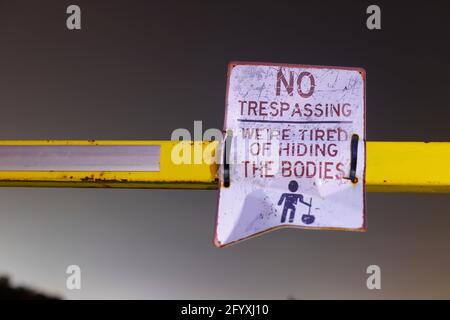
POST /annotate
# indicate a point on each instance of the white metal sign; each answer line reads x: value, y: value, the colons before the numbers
x: 295, y: 150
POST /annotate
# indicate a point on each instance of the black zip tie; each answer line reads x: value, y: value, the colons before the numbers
x: 226, y: 159
x: 353, y: 158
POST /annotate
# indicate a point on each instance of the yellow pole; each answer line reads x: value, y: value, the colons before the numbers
x: 390, y: 167
x: 408, y: 166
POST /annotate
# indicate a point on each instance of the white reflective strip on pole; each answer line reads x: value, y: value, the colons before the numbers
x: 80, y: 158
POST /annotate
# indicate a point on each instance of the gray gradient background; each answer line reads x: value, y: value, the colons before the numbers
x: 140, y: 69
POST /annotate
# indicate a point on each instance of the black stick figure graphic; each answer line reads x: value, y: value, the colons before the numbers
x: 290, y: 201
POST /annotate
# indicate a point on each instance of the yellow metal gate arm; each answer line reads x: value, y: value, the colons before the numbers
x: 390, y: 166
x: 408, y: 166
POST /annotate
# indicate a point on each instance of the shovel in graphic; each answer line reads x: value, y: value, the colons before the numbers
x: 308, y: 218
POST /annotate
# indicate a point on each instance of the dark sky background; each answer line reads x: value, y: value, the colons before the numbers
x: 139, y: 70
